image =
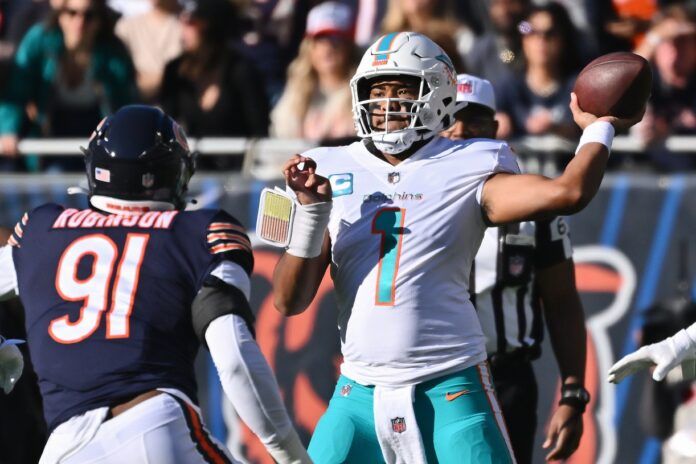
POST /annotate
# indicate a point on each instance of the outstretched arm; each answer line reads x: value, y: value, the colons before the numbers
x: 565, y: 321
x: 299, y: 271
x: 514, y: 198
x: 251, y: 387
x: 223, y: 319
x: 679, y: 349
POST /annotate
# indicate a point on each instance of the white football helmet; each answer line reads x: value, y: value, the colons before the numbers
x: 405, y: 54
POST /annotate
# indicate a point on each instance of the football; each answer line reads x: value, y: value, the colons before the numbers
x: 617, y: 84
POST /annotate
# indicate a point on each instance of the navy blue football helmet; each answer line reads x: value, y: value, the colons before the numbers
x: 139, y: 155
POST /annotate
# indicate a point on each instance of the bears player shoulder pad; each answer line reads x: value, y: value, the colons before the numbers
x: 227, y: 239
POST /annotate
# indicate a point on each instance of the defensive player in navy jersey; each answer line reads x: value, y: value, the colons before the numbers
x: 118, y: 297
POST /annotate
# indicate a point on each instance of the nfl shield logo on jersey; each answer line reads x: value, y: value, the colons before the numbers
x: 393, y: 177
x: 398, y: 424
x: 345, y: 390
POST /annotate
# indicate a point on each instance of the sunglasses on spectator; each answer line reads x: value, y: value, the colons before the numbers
x: 526, y: 29
x: 87, y: 15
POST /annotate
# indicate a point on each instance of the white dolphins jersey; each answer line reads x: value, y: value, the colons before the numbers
x: 402, y: 240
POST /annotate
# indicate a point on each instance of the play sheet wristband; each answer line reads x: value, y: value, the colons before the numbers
x: 282, y: 222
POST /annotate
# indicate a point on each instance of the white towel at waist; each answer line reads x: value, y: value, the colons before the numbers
x: 396, y: 427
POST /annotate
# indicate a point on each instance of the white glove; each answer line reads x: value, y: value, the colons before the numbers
x: 665, y: 355
x: 11, y: 364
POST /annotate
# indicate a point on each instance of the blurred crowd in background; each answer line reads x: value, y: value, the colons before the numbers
x: 280, y: 68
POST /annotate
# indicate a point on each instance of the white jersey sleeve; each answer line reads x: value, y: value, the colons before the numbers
x: 8, y: 274
x: 503, y: 160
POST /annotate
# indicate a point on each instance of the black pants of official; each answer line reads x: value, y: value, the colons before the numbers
x: 517, y: 392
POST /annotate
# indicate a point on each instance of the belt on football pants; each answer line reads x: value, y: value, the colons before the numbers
x: 520, y: 355
x: 125, y: 406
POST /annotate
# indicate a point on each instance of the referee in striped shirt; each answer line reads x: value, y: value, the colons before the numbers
x: 523, y: 273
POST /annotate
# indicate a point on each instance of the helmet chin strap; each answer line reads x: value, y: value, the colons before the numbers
x: 119, y: 206
x: 395, y: 142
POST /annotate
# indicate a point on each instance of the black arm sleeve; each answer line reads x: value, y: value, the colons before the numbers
x: 217, y: 298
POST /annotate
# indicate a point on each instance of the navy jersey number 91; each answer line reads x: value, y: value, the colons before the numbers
x: 108, y: 299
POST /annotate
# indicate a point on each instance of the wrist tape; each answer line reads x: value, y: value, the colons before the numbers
x: 599, y: 132
x: 283, y: 222
x: 308, y: 229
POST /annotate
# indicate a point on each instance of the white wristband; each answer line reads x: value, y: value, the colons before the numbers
x: 308, y: 227
x: 598, y: 132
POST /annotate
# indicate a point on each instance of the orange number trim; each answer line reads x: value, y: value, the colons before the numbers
x: 385, y: 291
x: 112, y: 319
x: 126, y: 282
x: 65, y: 320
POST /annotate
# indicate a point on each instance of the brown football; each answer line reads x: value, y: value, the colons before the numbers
x: 616, y: 84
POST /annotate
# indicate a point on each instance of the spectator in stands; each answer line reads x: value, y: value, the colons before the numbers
x: 536, y: 102
x: 271, y: 38
x: 316, y: 103
x: 622, y: 24
x: 434, y: 18
x: 68, y: 73
x: 153, y: 39
x: 211, y: 89
x: 497, y: 53
x: 24, y: 15
x: 670, y: 45
x: 368, y: 21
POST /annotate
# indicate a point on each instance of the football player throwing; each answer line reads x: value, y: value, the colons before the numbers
x: 399, y: 217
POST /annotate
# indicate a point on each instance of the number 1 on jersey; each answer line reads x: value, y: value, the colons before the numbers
x: 389, y: 223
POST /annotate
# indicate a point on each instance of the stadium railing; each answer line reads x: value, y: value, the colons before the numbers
x: 262, y: 158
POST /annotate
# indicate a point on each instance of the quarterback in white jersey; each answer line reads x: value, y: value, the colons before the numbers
x: 399, y: 235
x: 399, y: 217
